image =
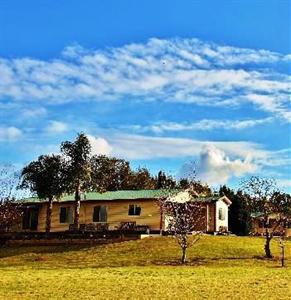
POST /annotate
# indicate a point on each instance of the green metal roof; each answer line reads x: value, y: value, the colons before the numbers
x: 110, y: 196
x: 123, y: 195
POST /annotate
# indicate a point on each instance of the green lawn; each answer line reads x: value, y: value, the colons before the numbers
x: 219, y: 268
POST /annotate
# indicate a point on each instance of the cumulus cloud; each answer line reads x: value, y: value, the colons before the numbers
x: 180, y: 70
x: 99, y: 145
x: 215, y: 167
x: 57, y: 127
x: 10, y: 133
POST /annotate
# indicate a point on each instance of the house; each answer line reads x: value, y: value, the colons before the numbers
x: 113, y: 209
x: 259, y: 225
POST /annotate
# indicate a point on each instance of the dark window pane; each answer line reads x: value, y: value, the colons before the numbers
x: 63, y: 215
x: 103, y: 214
x: 96, y: 214
x: 137, y: 210
x: 134, y: 210
x: 25, y: 219
x: 34, y: 219
x: 30, y: 218
x: 131, y: 210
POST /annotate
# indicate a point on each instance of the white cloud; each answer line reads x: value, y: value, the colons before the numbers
x: 10, y: 133
x: 99, y: 145
x: 284, y: 183
x: 57, y: 127
x: 149, y: 147
x: 215, y: 167
x: 202, y: 125
x: 37, y: 112
x: 180, y: 70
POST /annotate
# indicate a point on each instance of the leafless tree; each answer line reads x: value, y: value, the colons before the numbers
x: 268, y: 204
x: 184, y: 220
x: 10, y: 209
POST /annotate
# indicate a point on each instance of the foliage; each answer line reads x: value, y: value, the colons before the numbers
x: 77, y: 172
x: 109, y: 174
x: 239, y: 217
x: 45, y: 178
x: 164, y: 181
x: 195, y: 185
x: 142, y: 180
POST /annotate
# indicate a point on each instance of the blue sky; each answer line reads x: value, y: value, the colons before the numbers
x: 160, y: 83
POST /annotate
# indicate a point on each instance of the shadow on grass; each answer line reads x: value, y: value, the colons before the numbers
x: 177, y: 262
x: 10, y: 251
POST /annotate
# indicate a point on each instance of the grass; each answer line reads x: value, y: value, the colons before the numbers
x: 218, y: 268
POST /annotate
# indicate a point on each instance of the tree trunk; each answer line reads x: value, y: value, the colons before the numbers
x: 183, y: 259
x: 49, y: 215
x: 267, y: 244
x: 77, y: 206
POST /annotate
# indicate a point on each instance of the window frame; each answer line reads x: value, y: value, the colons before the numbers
x: 134, y: 210
x: 69, y: 216
x: 221, y: 214
x: 100, y: 207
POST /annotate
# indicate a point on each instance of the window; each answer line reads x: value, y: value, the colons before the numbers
x: 30, y: 218
x: 221, y: 214
x: 66, y: 215
x: 100, y: 214
x: 134, y: 210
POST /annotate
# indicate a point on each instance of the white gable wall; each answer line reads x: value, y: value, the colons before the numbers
x: 220, y: 204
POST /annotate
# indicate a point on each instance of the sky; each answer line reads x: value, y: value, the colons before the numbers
x: 170, y: 85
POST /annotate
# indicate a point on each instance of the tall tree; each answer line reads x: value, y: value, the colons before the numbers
x: 239, y: 215
x: 142, y: 180
x: 78, y: 168
x: 45, y: 178
x: 197, y: 186
x: 164, y: 181
x: 265, y: 200
x: 109, y: 173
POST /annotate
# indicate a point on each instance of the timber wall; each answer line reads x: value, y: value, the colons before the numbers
x: 117, y: 212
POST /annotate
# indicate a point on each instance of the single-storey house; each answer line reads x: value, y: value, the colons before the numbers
x: 259, y: 225
x: 139, y: 207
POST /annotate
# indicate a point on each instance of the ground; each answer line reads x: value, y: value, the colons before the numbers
x: 219, y: 267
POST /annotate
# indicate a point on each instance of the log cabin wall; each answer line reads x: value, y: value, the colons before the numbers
x: 117, y: 212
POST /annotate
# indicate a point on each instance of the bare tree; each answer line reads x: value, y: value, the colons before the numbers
x: 10, y: 209
x: 184, y: 220
x: 270, y: 205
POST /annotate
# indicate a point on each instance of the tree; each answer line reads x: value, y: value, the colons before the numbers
x: 45, y: 178
x: 239, y: 215
x: 195, y: 185
x: 164, y: 181
x: 266, y: 201
x: 142, y: 180
x: 184, y: 220
x: 10, y: 209
x: 77, y: 172
x: 109, y: 173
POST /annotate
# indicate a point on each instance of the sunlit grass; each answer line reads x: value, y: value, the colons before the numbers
x: 218, y: 268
